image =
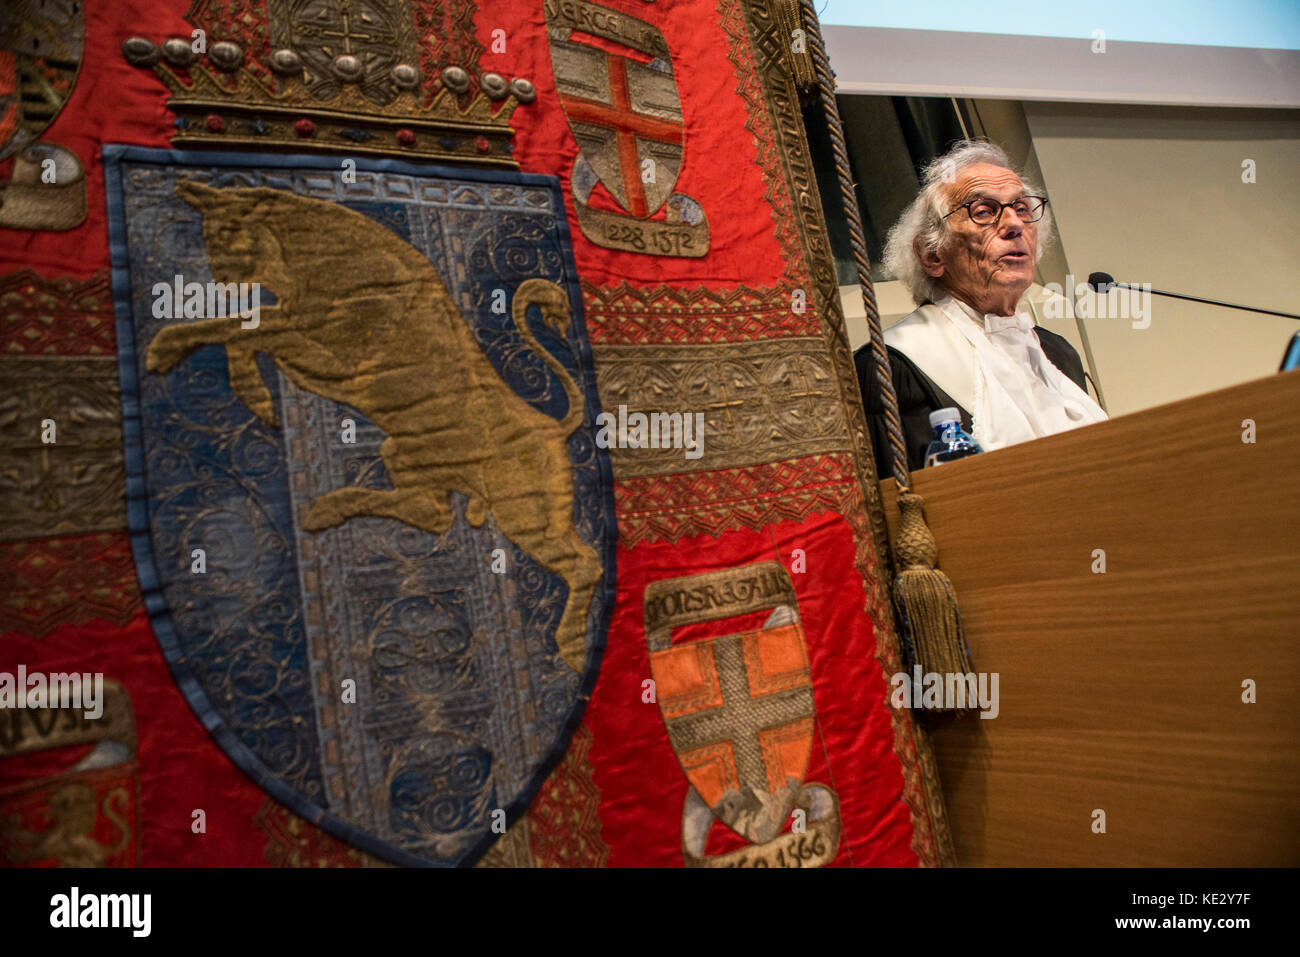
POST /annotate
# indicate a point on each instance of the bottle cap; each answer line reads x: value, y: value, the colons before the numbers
x: 939, y: 416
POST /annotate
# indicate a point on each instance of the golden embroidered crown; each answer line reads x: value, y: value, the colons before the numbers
x: 340, y: 76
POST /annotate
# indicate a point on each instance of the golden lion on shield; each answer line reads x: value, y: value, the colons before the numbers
x: 363, y: 318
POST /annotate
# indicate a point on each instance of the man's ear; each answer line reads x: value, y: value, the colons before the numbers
x: 931, y: 261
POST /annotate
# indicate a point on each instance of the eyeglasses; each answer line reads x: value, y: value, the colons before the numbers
x: 988, y: 212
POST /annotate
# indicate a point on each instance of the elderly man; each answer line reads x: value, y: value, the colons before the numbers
x: 966, y: 250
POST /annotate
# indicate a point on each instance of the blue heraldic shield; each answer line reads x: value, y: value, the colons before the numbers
x: 373, y: 526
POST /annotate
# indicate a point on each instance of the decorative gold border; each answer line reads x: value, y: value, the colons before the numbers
x: 776, y: 104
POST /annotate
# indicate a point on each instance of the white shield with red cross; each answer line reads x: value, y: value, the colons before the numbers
x: 615, y: 78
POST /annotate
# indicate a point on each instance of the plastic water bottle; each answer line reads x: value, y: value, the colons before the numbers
x: 950, y: 442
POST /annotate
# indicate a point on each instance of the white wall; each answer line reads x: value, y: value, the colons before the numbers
x: 1155, y: 195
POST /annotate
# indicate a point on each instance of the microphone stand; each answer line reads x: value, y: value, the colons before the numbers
x: 1102, y: 288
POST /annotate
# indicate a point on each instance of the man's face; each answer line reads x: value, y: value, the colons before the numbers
x: 989, y: 267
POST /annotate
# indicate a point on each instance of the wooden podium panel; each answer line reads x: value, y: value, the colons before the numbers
x: 1123, y: 691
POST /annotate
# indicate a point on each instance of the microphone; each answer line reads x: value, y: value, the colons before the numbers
x: 1103, y: 281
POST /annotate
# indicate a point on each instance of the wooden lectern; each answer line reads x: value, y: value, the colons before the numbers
x: 1122, y: 691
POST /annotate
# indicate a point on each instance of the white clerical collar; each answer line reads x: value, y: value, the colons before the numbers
x: 992, y: 324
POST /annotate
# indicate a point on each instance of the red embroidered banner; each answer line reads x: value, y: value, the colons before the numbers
x: 739, y: 714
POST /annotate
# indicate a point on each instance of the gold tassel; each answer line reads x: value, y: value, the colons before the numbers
x: 794, y: 40
x: 926, y: 603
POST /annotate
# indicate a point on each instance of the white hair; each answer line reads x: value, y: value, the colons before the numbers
x: 922, y: 223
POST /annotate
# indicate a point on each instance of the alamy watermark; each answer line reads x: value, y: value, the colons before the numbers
x: 657, y: 430
x: 936, y: 691
x: 53, y: 690
x: 1131, y: 302
x: 75, y: 910
x: 208, y: 300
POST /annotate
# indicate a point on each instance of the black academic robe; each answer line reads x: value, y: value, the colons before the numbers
x: 918, y: 396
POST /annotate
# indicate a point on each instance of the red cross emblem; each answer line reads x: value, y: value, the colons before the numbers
x: 629, y: 125
x: 614, y: 76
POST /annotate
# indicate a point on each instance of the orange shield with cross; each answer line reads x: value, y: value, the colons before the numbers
x: 738, y: 707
